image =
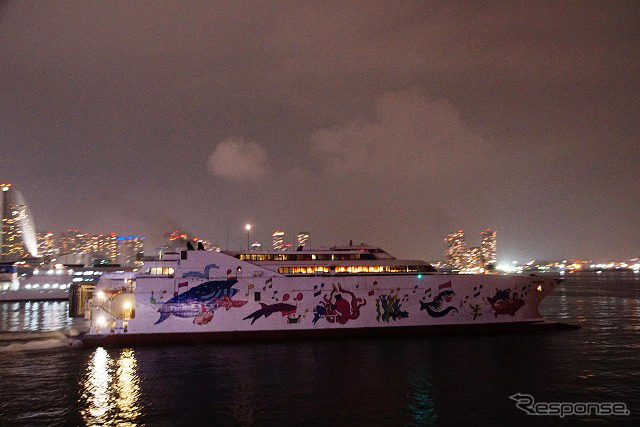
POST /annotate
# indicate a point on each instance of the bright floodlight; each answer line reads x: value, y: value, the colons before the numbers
x: 101, y: 295
x: 127, y: 305
x: 247, y: 227
x: 102, y: 321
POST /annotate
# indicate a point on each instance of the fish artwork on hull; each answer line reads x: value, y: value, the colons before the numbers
x: 435, y: 308
x: 201, y: 301
x: 268, y: 310
x: 503, y: 303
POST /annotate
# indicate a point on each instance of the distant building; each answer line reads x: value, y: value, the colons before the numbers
x: 130, y: 250
x: 278, y: 241
x: 74, y: 242
x: 104, y: 246
x: 18, y: 235
x: 455, y: 249
x: 488, y: 247
x: 473, y: 260
x: 255, y: 246
x: 302, y: 239
x: 46, y: 245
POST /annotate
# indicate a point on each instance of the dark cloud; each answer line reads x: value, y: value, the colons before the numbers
x: 388, y: 122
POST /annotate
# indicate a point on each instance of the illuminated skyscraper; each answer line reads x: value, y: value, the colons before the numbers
x: 278, y: 241
x: 74, y: 242
x: 488, y: 247
x: 473, y: 260
x: 18, y: 235
x: 104, y: 245
x: 302, y: 239
x: 455, y: 249
x: 46, y: 245
x: 130, y: 250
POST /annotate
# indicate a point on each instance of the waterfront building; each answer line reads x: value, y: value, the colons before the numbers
x: 46, y: 245
x: 105, y: 246
x: 74, y: 242
x: 302, y: 239
x: 473, y: 261
x: 17, y: 236
x: 278, y: 241
x: 130, y: 250
x: 455, y: 249
x: 488, y: 247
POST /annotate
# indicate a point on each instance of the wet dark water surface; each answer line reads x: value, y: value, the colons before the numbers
x: 385, y: 381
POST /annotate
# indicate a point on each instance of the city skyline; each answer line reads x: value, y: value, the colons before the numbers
x: 428, y: 118
x: 457, y: 255
x: 46, y: 242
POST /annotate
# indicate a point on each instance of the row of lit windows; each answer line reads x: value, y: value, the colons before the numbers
x: 384, y: 269
x: 303, y: 270
x: 159, y: 271
x: 355, y: 269
x: 46, y: 286
x: 305, y: 257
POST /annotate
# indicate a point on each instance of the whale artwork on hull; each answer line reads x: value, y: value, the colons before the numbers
x: 201, y: 301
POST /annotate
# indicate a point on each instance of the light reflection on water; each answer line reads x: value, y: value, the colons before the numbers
x: 111, y: 389
x: 36, y: 316
x: 404, y: 381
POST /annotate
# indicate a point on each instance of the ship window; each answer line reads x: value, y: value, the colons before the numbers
x: 160, y: 271
x: 256, y: 296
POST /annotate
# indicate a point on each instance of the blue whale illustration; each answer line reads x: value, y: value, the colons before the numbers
x: 189, y: 303
x: 199, y: 275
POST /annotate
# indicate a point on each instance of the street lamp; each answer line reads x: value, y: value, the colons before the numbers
x: 248, y: 228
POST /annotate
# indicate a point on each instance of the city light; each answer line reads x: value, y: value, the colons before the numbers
x: 248, y: 228
x: 126, y: 305
x: 101, y: 295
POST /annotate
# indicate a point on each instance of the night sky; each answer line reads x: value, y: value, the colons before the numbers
x: 392, y: 123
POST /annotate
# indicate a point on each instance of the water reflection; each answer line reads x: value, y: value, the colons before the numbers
x: 111, y: 389
x: 34, y: 316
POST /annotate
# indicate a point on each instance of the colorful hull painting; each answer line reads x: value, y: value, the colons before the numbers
x: 201, y: 301
x: 339, y: 306
x: 282, y: 303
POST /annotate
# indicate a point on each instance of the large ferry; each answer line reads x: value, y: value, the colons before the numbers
x: 350, y: 290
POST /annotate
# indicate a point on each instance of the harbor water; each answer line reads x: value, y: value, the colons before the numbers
x: 423, y: 380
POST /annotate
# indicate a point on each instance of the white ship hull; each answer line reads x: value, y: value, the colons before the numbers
x: 253, y: 305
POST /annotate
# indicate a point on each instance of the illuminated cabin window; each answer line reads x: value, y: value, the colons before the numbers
x: 159, y: 271
x: 358, y: 269
x: 305, y: 257
x: 303, y: 270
